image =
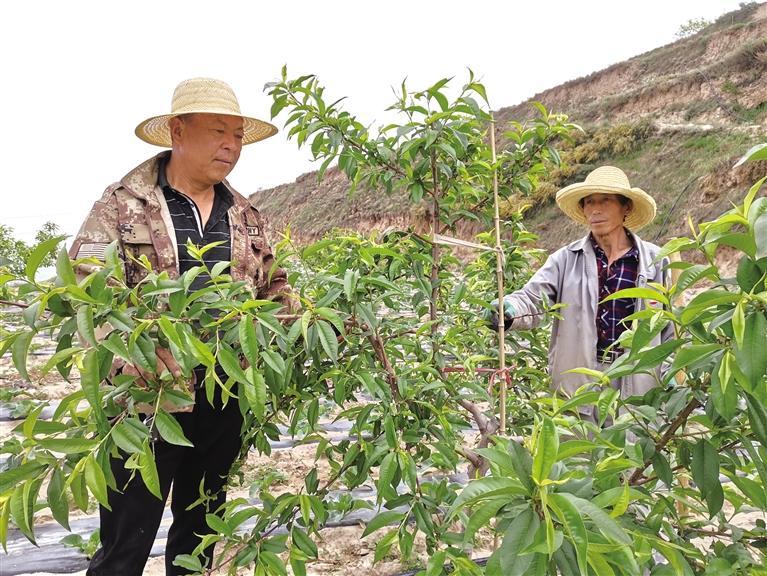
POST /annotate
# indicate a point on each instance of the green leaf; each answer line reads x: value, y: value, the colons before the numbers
x: 522, y: 463
x: 85, y: 325
x: 691, y: 354
x: 169, y: 330
x: 5, y: 516
x: 435, y: 565
x: 142, y: 353
x: 60, y: 357
x: 274, y: 361
x: 705, y: 473
x: 389, y: 432
x: 64, y: 272
x: 752, y: 192
x: 57, y: 498
x: 90, y: 382
x: 757, y: 152
x: 662, y: 469
x: 706, y: 301
x: 170, y: 429
x: 304, y: 543
x: 189, y: 562
x: 692, y: 275
x: 96, y: 481
x: 122, y: 321
x: 38, y: 255
x: 231, y: 364
x: 601, y: 519
x: 574, y: 526
x: 407, y: 466
x: 130, y: 435
x: 611, y: 496
x: 298, y: 565
x: 330, y: 315
x: 481, y: 516
x: 599, y: 564
x: 383, y: 519
x: 507, y: 560
x: 656, y: 355
x: 200, y: 351
x: 10, y: 479
x: 757, y: 418
x: 485, y: 488
x: 644, y: 293
x: 588, y: 397
x: 724, y: 396
x: 573, y: 447
x: 116, y: 346
x: 148, y: 470
x: 328, y: 339
x: 386, y: 473
x: 248, y: 340
x: 67, y: 445
x: 19, y: 351
x: 76, y: 481
x: 218, y: 524
x: 255, y: 393
x: 751, y: 357
x: 675, y: 245
x: 675, y: 558
x: 751, y: 489
x: 748, y: 274
x: 22, y: 506
x: 273, y: 563
x: 546, y: 449
x: 270, y: 322
x: 350, y: 283
x: 739, y: 323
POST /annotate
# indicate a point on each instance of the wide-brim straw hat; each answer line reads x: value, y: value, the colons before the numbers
x: 202, y: 96
x: 608, y: 180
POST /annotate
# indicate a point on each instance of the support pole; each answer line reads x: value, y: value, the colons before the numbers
x: 499, y: 259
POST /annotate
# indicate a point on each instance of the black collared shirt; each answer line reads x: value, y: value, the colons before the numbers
x: 187, y: 222
x: 617, y: 276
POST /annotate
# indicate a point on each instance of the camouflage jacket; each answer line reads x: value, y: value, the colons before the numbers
x: 133, y: 211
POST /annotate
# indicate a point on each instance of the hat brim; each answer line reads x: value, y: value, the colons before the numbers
x: 642, y: 211
x: 156, y: 130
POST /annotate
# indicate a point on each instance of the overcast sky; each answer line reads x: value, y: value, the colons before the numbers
x: 78, y: 76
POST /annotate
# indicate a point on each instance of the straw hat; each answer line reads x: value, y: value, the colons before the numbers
x: 207, y: 96
x: 607, y: 180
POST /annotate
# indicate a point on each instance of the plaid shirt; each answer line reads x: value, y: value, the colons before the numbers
x: 621, y: 274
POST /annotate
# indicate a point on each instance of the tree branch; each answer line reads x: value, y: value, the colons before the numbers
x: 18, y: 304
x: 666, y: 438
x: 478, y: 466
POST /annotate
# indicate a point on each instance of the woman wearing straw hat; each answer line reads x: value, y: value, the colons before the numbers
x: 580, y: 275
x: 178, y: 196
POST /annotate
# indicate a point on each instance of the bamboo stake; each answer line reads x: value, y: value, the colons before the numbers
x: 499, y: 276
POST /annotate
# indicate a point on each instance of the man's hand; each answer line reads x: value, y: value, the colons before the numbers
x: 165, y: 361
x: 509, y: 312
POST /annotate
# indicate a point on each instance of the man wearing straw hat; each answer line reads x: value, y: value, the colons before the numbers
x: 176, y: 196
x: 610, y: 258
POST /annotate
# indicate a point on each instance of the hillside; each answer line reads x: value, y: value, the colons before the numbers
x: 675, y: 119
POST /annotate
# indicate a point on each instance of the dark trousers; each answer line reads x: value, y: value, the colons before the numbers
x: 129, y: 529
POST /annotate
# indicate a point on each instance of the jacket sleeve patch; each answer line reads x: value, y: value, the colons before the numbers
x: 92, y: 250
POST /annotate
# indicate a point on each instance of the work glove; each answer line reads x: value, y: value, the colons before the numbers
x: 509, y: 312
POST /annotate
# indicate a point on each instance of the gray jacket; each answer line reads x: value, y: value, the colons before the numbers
x: 569, y: 277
